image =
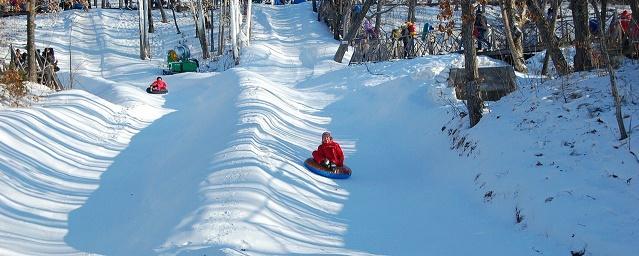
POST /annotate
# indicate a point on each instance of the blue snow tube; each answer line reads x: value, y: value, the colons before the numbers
x: 298, y: 1
x: 342, y: 172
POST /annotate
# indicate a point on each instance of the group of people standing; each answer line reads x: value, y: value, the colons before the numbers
x: 406, y: 34
x: 47, y: 56
x: 403, y: 37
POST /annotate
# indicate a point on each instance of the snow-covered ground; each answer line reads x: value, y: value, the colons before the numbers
x: 215, y: 166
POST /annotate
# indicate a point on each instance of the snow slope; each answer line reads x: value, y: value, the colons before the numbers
x: 215, y: 166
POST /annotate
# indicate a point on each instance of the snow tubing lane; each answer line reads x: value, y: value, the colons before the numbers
x: 148, y: 90
x: 342, y: 172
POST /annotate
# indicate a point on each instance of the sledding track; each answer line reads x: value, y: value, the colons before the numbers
x: 216, y: 166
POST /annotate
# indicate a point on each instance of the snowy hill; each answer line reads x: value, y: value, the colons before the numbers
x: 215, y: 166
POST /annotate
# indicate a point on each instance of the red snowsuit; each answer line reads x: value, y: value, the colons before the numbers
x: 331, y: 151
x: 625, y: 18
x: 158, y: 85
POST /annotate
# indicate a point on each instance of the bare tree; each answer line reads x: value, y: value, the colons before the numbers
x: 247, y: 28
x: 412, y: 4
x: 150, y: 14
x: 352, y: 31
x: 378, y: 15
x: 172, y: 2
x: 234, y: 28
x: 144, y: 35
x: 513, y: 35
x: 162, y: 12
x: 552, y: 46
x: 474, y: 102
x: 634, y: 6
x: 212, y: 27
x: 554, y: 4
x: 201, y: 31
x: 31, y: 50
x: 220, y: 48
x: 346, y: 15
x: 583, y: 54
x: 611, y: 73
x: 604, y: 7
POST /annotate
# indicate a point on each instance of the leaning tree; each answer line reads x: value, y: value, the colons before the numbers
x: 474, y: 103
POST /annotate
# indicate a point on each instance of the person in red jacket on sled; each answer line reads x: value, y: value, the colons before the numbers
x: 329, y: 153
x: 159, y: 86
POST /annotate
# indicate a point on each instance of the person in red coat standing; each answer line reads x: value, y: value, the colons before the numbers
x: 329, y: 153
x: 158, y: 85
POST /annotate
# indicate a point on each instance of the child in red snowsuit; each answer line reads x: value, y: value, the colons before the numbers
x: 158, y: 85
x: 624, y: 18
x: 329, y: 153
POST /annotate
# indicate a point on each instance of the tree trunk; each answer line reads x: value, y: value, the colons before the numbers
x: 347, y: 16
x: 103, y: 5
x: 201, y: 31
x: 247, y: 28
x: 552, y: 46
x: 223, y: 14
x: 150, y: 16
x: 553, y: 23
x: 233, y: 11
x: 378, y: 16
x: 513, y: 35
x: 212, y: 25
x: 336, y: 22
x: 144, y: 40
x: 612, y: 75
x: 412, y: 4
x: 162, y: 12
x: 31, y: 50
x: 352, y: 31
x: 174, y: 19
x: 474, y: 102
x: 314, y: 5
x: 634, y: 7
x: 120, y: 3
x: 604, y: 7
x: 583, y: 54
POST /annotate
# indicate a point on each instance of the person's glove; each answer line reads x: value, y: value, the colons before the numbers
x: 326, y: 163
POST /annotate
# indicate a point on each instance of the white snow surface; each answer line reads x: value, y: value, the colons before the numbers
x: 214, y: 167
